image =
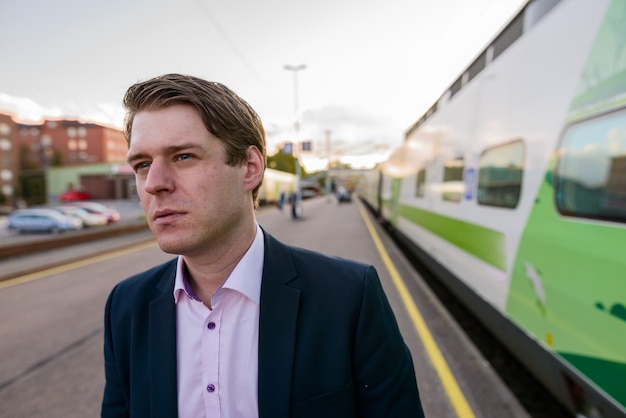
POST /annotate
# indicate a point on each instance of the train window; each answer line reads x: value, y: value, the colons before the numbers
x: 477, y: 66
x: 420, y: 186
x: 536, y: 10
x: 453, y: 187
x: 590, y: 176
x: 456, y: 86
x: 500, y: 175
x: 509, y: 35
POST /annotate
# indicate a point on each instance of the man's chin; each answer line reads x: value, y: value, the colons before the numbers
x: 167, y: 246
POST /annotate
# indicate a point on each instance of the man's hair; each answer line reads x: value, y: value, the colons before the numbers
x: 225, y: 115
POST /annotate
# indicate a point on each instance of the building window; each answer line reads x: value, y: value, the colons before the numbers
x: 5, y: 144
x: 590, y: 176
x: 500, y: 175
x: 5, y: 129
x: 453, y: 187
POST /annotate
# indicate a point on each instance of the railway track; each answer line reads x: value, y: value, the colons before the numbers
x: 535, y: 398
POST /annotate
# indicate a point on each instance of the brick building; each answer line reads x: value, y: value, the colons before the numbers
x: 9, y: 160
x: 92, y: 154
x: 71, y: 142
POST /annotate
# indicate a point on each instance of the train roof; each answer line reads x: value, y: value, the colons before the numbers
x: 522, y: 21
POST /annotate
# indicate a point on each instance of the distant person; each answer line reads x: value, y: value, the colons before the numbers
x: 293, y: 201
x: 238, y: 324
x: 281, y: 200
x: 340, y: 192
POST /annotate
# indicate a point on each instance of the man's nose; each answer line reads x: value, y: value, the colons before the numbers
x: 159, y: 178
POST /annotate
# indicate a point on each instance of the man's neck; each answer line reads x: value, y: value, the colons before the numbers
x: 208, y: 273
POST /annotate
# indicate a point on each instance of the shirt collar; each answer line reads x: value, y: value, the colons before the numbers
x: 245, y: 278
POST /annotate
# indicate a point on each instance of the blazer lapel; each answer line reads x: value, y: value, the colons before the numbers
x: 162, y: 349
x: 277, y: 330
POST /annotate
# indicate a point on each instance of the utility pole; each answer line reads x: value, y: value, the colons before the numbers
x: 296, y: 211
x: 328, y: 154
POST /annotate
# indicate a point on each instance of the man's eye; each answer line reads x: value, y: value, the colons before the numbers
x: 184, y: 156
x: 141, y: 166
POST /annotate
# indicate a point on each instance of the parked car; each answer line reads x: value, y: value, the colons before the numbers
x: 73, y: 196
x: 42, y: 220
x: 98, y: 208
x: 88, y: 218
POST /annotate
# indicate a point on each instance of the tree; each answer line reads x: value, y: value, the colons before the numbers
x: 284, y: 162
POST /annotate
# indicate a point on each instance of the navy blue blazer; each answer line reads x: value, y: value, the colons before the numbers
x: 329, y: 344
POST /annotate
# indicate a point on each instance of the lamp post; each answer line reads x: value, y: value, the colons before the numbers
x: 328, y: 132
x: 296, y: 210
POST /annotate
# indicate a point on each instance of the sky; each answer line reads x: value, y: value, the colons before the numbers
x: 372, y: 66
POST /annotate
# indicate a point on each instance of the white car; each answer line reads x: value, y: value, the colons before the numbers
x: 42, y: 220
x: 88, y: 218
x: 93, y: 207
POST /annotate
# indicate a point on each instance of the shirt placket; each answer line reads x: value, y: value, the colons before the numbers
x: 211, y: 335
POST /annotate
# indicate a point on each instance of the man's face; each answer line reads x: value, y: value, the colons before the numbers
x: 193, y: 200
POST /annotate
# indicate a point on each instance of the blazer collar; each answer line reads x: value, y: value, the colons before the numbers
x: 277, y: 330
x: 162, y: 347
x: 277, y: 335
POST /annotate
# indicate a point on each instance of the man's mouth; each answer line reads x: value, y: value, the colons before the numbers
x: 166, y: 216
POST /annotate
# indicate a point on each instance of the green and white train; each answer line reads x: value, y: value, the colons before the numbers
x: 512, y: 187
x: 276, y: 185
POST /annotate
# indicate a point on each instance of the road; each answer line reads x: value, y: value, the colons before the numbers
x: 50, y: 356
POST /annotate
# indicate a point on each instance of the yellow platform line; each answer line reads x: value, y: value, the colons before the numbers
x: 73, y: 265
x: 454, y: 393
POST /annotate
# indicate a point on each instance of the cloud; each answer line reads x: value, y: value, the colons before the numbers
x: 26, y: 110
x: 357, y: 136
x: 29, y: 111
x: 353, y: 131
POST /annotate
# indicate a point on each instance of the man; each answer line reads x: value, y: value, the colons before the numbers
x: 239, y: 324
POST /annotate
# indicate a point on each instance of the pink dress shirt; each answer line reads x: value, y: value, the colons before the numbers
x: 217, y: 350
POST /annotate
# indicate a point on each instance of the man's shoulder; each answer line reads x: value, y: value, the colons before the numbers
x: 300, y: 255
x: 315, y: 266
x: 321, y: 260
x: 149, y: 279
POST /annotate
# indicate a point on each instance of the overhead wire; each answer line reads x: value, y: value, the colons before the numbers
x: 231, y: 44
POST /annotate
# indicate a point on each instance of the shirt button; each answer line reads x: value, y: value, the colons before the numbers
x: 210, y: 388
x: 211, y: 325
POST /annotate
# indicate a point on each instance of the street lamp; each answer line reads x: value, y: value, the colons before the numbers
x: 296, y: 210
x: 328, y: 132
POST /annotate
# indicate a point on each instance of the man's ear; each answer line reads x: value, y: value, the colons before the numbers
x: 255, y: 167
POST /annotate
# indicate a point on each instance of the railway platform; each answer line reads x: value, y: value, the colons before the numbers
x: 453, y: 378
